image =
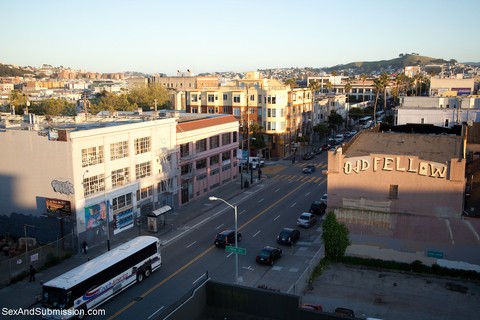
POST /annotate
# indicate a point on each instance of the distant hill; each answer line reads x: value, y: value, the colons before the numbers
x: 10, y: 71
x: 387, y: 65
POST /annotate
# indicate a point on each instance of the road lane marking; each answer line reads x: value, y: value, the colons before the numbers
x: 276, y: 217
x: 155, y: 312
x: 472, y: 229
x: 307, y: 194
x: 277, y: 190
x: 219, y: 226
x: 293, y: 205
x: 191, y: 244
x: 261, y: 200
x: 257, y: 233
x: 199, y: 278
x: 447, y: 222
x: 201, y: 255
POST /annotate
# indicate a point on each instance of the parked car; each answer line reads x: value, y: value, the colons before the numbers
x: 317, y: 150
x: 353, y: 132
x: 339, y: 138
x: 326, y: 147
x: 318, y: 207
x: 306, y: 220
x: 324, y: 198
x: 226, y: 237
x: 312, y: 307
x: 268, y: 255
x: 309, y: 168
x: 344, y: 312
x: 288, y: 236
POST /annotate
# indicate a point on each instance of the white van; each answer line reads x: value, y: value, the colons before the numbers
x: 254, y: 162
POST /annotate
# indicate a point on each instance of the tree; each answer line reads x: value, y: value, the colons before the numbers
x: 329, y: 86
x: 292, y: 82
x: 334, y: 120
x: 379, y: 84
x: 321, y: 130
x: 314, y: 86
x: 17, y: 99
x: 334, y: 74
x: 146, y: 97
x: 55, y: 107
x: 335, y: 237
x: 363, y: 77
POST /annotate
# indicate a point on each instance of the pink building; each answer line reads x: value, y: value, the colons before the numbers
x: 207, y: 160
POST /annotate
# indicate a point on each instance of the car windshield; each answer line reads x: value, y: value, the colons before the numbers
x: 264, y: 252
x: 304, y: 217
x: 285, y: 233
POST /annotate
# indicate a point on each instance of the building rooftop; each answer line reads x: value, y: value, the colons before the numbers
x: 432, y: 147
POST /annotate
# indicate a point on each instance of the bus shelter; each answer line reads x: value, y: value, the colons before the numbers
x: 158, y: 218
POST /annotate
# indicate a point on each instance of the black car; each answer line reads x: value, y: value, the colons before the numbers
x: 268, y: 254
x: 288, y: 236
x: 226, y: 237
x: 318, y: 207
x: 308, y: 156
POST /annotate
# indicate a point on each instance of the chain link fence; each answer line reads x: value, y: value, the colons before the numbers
x: 14, y: 265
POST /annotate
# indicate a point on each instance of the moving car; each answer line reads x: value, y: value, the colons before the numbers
x: 306, y: 220
x: 268, y: 254
x: 288, y: 236
x: 312, y: 307
x: 309, y: 168
x: 318, y: 207
x: 226, y: 237
x: 344, y: 312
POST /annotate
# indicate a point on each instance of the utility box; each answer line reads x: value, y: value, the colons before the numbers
x: 157, y: 218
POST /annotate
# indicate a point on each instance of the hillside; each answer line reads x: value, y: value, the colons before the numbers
x: 387, y: 65
x: 10, y: 71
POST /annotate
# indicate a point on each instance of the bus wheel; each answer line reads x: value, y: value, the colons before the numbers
x: 81, y: 314
x: 139, y: 277
x: 147, y: 272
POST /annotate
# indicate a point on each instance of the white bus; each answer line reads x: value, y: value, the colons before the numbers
x: 94, y: 282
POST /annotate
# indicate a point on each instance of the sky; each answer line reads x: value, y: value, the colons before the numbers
x: 157, y: 36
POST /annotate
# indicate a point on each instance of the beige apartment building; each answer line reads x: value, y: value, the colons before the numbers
x: 280, y: 113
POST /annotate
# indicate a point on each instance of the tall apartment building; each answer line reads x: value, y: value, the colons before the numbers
x: 94, y: 170
x: 283, y: 113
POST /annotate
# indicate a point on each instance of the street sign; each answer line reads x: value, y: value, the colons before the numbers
x: 236, y: 249
x: 435, y: 254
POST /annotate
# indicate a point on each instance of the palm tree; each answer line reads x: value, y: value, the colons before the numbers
x: 348, y: 88
x: 314, y: 86
x: 385, y: 82
x: 292, y: 82
x: 377, y: 84
x: 334, y: 74
x: 363, y: 77
x: 329, y: 86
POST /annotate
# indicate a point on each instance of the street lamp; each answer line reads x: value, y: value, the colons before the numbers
x: 236, y: 233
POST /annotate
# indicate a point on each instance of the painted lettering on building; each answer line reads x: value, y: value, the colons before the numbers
x: 409, y: 165
x: 63, y: 187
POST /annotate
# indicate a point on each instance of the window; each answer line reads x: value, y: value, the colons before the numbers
x: 236, y: 98
x: 142, y: 145
x: 251, y: 110
x: 225, y: 97
x: 201, y: 177
x: 184, y: 150
x: 422, y: 120
x: 119, y: 150
x: 214, y: 159
x: 122, y: 202
x: 92, y: 156
x: 211, y: 98
x: 393, y: 192
x: 120, y: 177
x: 446, y: 123
x: 226, y: 155
x: 260, y: 113
x: 214, y: 142
x: 145, y: 193
x: 93, y: 184
x: 252, y: 97
x: 194, y: 97
x: 235, y: 138
x: 236, y: 112
x: 201, y: 145
x: 185, y: 169
x: 225, y: 139
x: 214, y: 172
x: 163, y: 186
x: 260, y: 98
x: 142, y: 170
x: 201, y: 164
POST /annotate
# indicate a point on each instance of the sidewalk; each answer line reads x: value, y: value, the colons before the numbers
x: 24, y: 294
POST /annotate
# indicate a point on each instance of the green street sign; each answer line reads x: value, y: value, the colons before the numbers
x: 236, y: 249
x: 435, y: 254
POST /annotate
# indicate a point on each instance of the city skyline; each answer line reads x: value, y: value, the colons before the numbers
x: 214, y: 36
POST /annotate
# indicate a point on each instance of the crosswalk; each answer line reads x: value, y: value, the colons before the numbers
x: 302, y: 177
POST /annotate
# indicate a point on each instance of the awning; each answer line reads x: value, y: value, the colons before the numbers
x: 162, y: 210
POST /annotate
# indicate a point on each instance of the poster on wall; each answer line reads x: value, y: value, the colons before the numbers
x: 58, y: 206
x: 95, y: 215
x: 122, y: 221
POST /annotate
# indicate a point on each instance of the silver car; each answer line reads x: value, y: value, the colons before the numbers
x: 306, y: 220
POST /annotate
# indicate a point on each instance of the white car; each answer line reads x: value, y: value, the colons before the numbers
x: 339, y: 138
x: 306, y: 220
x: 323, y: 199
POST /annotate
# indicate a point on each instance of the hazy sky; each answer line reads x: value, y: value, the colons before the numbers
x: 230, y: 35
